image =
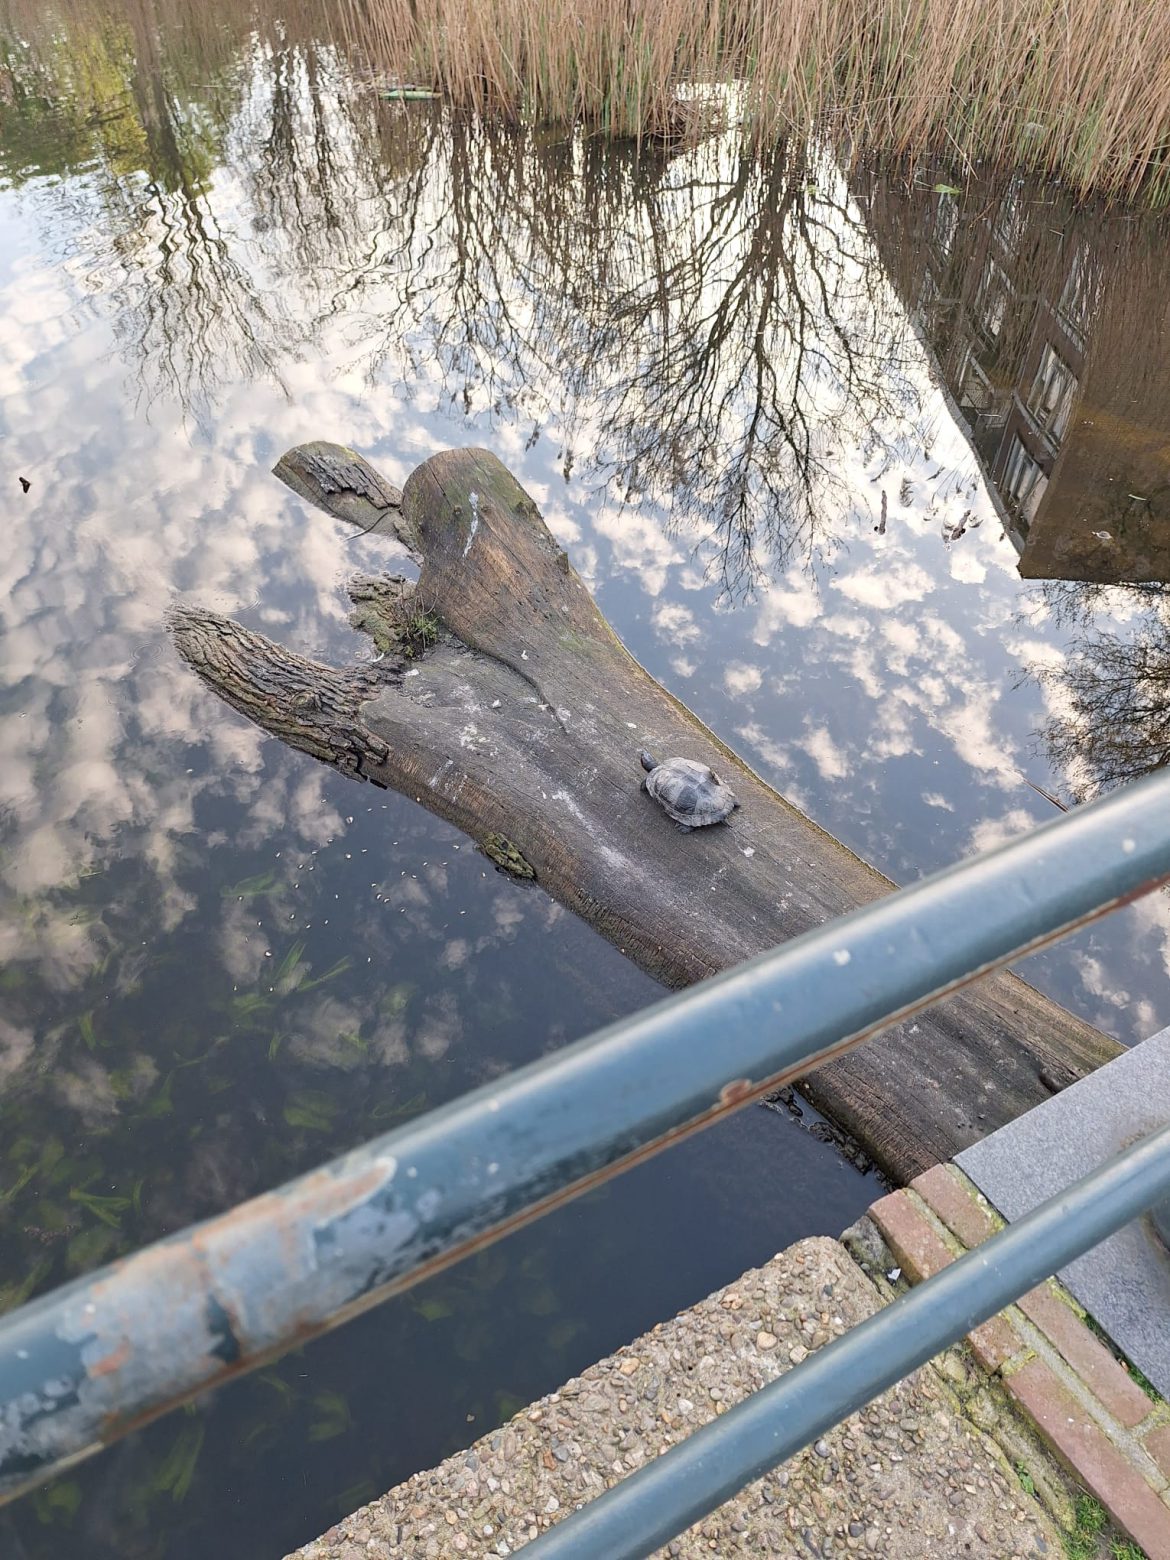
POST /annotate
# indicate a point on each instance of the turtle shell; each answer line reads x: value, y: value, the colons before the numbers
x: 690, y: 793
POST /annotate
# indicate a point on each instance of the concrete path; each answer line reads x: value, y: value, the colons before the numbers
x: 909, y: 1477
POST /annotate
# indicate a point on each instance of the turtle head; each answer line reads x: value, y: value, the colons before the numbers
x: 648, y: 763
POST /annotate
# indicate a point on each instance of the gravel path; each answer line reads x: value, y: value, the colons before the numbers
x: 908, y: 1478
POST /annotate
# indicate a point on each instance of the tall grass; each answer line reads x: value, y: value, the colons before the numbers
x: 1079, y: 88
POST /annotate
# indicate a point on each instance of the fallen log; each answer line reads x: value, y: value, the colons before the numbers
x: 505, y: 703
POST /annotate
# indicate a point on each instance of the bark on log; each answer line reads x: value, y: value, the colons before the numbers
x: 505, y: 703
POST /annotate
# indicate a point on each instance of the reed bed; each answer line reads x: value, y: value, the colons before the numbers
x: 1075, y: 88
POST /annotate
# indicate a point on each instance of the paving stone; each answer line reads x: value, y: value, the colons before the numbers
x: 1124, y: 1283
x: 994, y: 1342
x: 1157, y: 1443
x: 1110, y: 1384
x: 1092, y: 1458
x: 921, y: 1253
x: 955, y: 1200
x: 918, y: 1248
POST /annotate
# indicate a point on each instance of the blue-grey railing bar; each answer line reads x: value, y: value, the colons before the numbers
x: 663, y: 1498
x: 82, y: 1365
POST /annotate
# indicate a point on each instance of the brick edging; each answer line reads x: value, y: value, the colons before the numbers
x: 1078, y: 1397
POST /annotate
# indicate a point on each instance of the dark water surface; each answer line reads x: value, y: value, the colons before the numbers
x: 800, y: 432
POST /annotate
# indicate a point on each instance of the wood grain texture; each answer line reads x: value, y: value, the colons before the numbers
x: 522, y: 723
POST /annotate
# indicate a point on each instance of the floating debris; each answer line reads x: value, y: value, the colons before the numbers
x: 408, y: 94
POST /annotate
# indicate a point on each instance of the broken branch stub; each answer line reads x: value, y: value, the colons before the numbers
x: 344, y: 484
x: 521, y: 723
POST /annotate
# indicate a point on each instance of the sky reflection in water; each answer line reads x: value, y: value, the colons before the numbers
x: 221, y: 963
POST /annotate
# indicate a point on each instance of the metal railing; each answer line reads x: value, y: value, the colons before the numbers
x: 666, y: 1496
x: 81, y: 1366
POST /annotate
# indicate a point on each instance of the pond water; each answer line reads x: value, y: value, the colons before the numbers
x: 801, y: 430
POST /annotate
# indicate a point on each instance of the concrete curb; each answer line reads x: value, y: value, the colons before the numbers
x: 910, y: 1477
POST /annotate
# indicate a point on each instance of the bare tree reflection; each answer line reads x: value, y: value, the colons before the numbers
x: 191, y: 309
x: 707, y: 324
x: 188, y: 302
x: 761, y: 334
x: 704, y: 325
x: 1109, y: 699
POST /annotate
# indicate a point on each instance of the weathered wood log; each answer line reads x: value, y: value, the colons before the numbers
x: 505, y: 703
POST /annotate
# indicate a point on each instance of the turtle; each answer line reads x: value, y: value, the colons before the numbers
x: 687, y: 791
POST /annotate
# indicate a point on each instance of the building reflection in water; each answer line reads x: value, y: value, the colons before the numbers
x: 1049, y: 326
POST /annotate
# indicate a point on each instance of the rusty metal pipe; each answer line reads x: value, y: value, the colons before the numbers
x: 81, y: 1366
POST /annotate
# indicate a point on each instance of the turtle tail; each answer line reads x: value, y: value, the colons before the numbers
x: 648, y: 763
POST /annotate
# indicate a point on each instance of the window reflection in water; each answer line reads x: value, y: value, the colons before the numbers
x: 1053, y: 393
x: 1024, y: 481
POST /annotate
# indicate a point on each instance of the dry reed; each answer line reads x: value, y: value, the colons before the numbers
x: 1076, y: 88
